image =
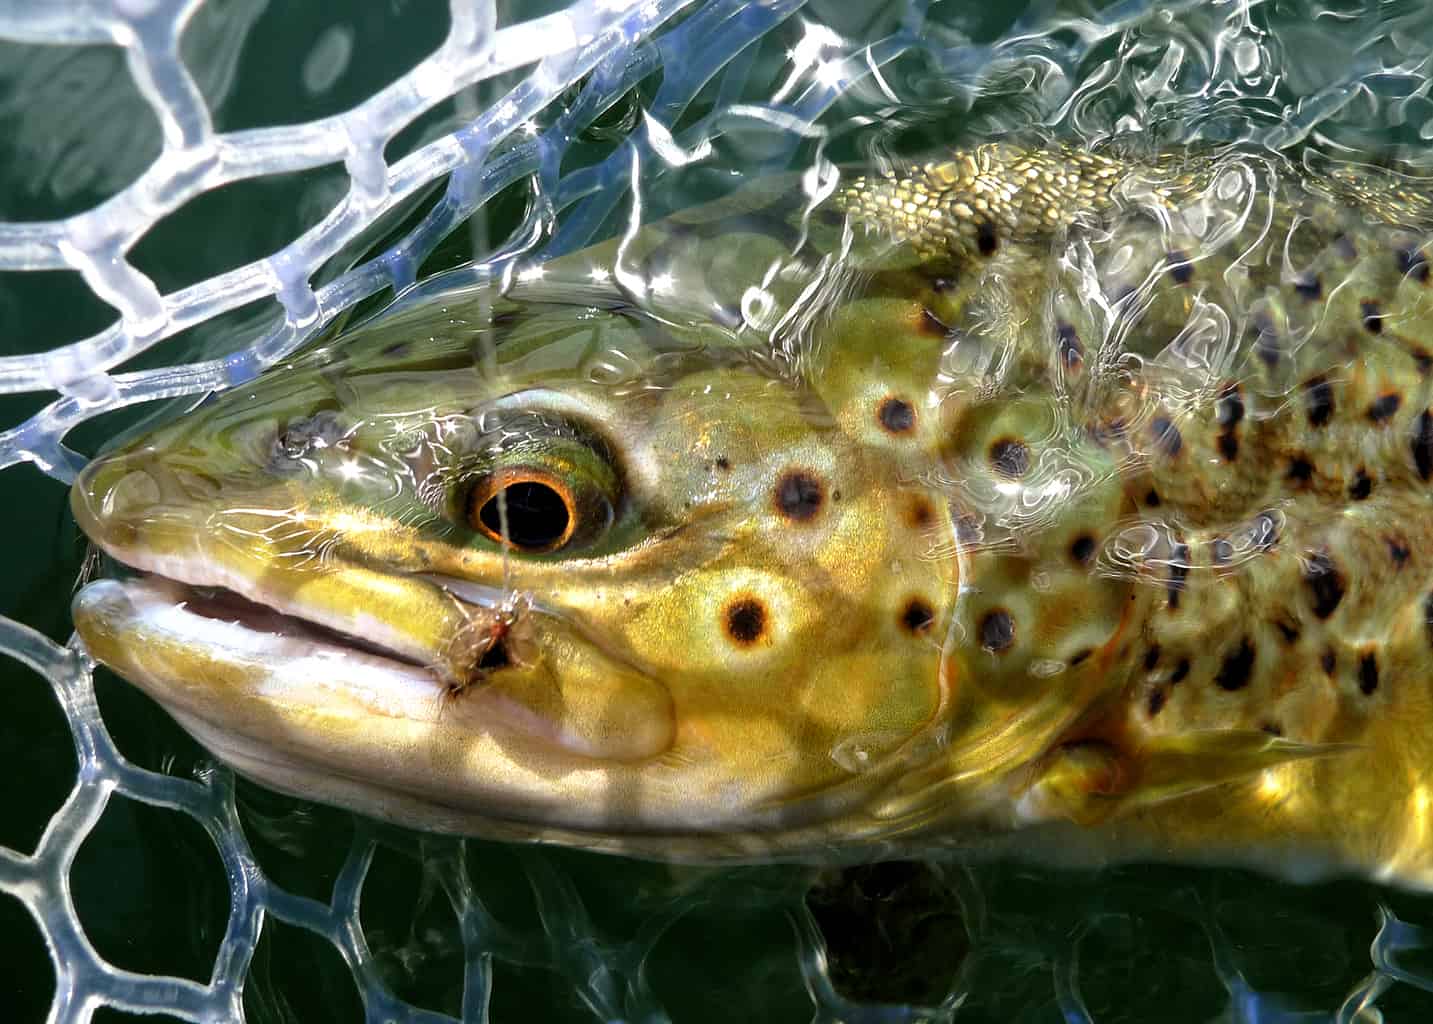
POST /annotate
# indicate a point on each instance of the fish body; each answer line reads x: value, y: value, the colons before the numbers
x: 1027, y: 500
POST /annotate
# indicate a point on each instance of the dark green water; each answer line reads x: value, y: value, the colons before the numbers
x: 571, y: 936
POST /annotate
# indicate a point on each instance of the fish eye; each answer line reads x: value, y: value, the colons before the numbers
x: 533, y: 483
x: 540, y: 510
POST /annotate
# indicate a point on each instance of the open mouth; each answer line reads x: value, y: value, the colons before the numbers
x: 198, y: 636
x: 458, y: 635
x: 495, y: 649
x: 144, y: 623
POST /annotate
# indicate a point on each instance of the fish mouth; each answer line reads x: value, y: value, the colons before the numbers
x: 166, y: 617
x: 211, y: 602
x: 219, y: 604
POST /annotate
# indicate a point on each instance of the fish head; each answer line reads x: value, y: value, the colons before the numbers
x: 606, y: 582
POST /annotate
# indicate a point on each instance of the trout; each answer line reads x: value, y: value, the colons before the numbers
x: 1038, y: 501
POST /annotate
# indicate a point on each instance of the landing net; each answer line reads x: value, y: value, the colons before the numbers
x: 573, y: 108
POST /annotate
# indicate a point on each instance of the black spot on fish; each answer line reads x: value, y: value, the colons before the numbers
x: 1266, y: 339
x: 920, y: 513
x: 799, y: 495
x: 1157, y: 699
x: 1329, y: 662
x: 1272, y: 728
x: 1229, y: 411
x: 1309, y: 286
x: 1412, y: 263
x: 723, y: 463
x: 1428, y: 618
x: 1166, y: 435
x: 1301, y: 470
x: 917, y: 616
x: 1181, y: 270
x: 997, y: 631
x: 1080, y: 656
x: 1384, y: 406
x: 1009, y: 457
x: 986, y: 241
x: 1067, y: 343
x: 1398, y: 551
x: 1178, y: 574
x: 1288, y: 631
x: 1082, y: 549
x: 1368, y: 673
x: 1422, y: 360
x: 1181, y: 670
x: 1320, y: 401
x: 1362, y: 485
x: 1151, y: 498
x: 1372, y: 318
x: 1151, y: 657
x: 897, y: 416
x: 1423, y: 444
x: 1237, y: 668
x: 1325, y: 584
x: 746, y: 620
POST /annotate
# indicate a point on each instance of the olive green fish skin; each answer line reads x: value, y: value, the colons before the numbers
x: 1044, y: 501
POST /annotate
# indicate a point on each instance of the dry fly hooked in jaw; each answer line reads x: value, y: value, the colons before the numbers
x: 488, y: 643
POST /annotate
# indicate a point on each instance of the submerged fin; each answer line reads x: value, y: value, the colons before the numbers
x: 1092, y: 781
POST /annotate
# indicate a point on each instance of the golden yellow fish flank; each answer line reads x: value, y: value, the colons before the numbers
x: 1034, y: 500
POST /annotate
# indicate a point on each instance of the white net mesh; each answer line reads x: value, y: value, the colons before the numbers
x: 521, y: 89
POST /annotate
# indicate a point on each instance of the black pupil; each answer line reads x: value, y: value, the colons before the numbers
x: 537, y: 515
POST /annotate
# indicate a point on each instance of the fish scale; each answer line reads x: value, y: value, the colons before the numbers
x: 1061, y: 502
x: 1275, y: 478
